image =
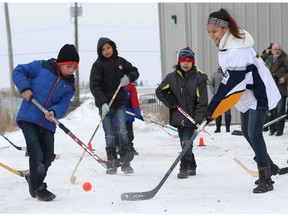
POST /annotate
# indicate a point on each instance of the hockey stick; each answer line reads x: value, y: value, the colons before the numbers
x: 159, y: 123
x: 73, y: 177
x: 135, y: 196
x: 192, y: 120
x: 57, y: 156
x: 17, y: 172
x: 274, y: 121
x: 249, y: 171
x: 106, y: 164
x: 17, y: 147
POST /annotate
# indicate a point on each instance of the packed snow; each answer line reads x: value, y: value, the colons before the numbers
x: 221, y: 186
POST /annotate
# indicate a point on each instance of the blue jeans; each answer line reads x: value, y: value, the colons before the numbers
x: 277, y: 112
x: 40, y: 146
x: 185, y: 133
x: 252, y: 123
x: 116, y: 116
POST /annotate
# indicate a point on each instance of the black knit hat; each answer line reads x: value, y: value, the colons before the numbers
x: 186, y: 54
x: 68, y: 55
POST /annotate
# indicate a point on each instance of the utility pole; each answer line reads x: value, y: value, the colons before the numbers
x: 10, y: 52
x: 74, y: 13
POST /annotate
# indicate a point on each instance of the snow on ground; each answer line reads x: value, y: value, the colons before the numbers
x: 221, y: 186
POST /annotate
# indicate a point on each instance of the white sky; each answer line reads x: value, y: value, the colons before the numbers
x: 39, y: 30
x: 221, y: 186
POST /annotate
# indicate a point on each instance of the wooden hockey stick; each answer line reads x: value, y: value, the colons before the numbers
x: 73, y: 176
x: 17, y: 172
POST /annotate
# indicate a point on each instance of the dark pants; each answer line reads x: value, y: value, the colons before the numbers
x: 252, y: 123
x: 185, y: 133
x: 40, y: 145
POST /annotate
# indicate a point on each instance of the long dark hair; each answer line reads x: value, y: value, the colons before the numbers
x: 223, y: 14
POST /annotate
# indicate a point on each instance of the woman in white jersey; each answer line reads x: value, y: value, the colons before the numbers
x: 247, y: 84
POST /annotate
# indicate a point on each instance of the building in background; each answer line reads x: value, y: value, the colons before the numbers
x: 183, y: 24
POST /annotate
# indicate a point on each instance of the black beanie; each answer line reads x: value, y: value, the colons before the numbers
x: 68, y: 55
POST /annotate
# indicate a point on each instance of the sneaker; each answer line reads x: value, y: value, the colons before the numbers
x: 31, y: 191
x: 43, y: 194
x: 127, y: 169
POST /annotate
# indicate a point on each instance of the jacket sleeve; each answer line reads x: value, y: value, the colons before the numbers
x: 164, y: 94
x: 96, y: 86
x: 131, y: 71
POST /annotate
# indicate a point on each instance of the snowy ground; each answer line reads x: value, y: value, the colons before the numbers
x: 221, y: 186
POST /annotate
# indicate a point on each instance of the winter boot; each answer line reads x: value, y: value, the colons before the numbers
x: 111, y: 155
x: 183, y: 174
x: 265, y: 182
x: 218, y: 124
x: 192, y: 166
x: 228, y: 122
x: 133, y: 149
x: 126, y: 167
x: 43, y: 194
x: 273, y: 168
x: 31, y: 191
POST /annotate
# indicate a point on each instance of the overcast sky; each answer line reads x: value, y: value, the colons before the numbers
x: 39, y: 30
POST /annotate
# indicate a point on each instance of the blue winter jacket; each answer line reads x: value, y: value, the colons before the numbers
x: 49, y: 89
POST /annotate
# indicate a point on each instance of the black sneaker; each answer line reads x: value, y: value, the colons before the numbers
x: 31, y: 191
x: 43, y: 194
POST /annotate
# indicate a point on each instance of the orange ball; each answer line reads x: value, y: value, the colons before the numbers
x: 87, y: 186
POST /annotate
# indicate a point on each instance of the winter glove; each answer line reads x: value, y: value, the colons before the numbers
x: 208, y: 119
x: 124, y: 80
x: 137, y: 113
x: 105, y: 109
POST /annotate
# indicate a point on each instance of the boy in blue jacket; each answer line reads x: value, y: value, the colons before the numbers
x: 51, y: 82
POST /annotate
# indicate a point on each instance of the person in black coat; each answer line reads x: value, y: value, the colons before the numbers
x: 186, y: 86
x: 108, y: 71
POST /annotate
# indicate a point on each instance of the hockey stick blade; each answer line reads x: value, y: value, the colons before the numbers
x: 15, y: 146
x: 17, y: 172
x: 136, y: 196
x: 283, y: 171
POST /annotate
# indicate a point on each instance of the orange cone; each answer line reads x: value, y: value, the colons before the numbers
x: 201, y: 142
x: 90, y: 146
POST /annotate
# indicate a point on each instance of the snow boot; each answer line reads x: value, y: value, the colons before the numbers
x: 31, y: 191
x: 228, y: 122
x: 133, y: 149
x: 218, y: 124
x: 183, y: 174
x: 43, y: 194
x: 192, y: 166
x: 273, y: 168
x: 265, y: 182
x: 126, y: 167
x: 111, y: 155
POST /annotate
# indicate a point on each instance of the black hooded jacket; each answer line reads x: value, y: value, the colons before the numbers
x: 106, y: 74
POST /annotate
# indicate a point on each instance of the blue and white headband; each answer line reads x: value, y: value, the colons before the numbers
x: 218, y: 22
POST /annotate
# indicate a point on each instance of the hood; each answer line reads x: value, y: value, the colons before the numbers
x: 228, y: 41
x: 100, y: 44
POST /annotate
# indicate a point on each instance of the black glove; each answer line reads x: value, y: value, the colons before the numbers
x: 208, y: 119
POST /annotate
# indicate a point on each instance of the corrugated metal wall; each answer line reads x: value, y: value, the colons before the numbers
x: 266, y: 23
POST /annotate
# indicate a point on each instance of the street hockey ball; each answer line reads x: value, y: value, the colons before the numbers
x: 87, y: 186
